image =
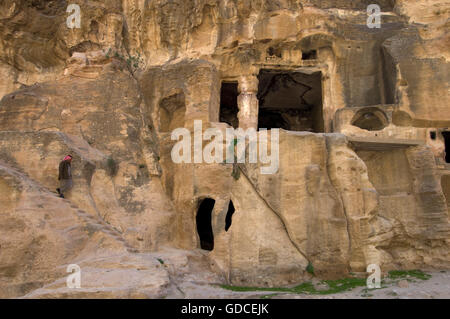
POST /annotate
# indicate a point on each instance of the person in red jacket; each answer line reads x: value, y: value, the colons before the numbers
x: 65, y: 176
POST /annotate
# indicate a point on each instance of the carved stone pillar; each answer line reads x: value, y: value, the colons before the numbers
x: 248, y: 102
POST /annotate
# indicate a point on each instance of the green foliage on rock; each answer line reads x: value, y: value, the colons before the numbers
x: 334, y: 286
x: 310, y: 268
x: 111, y: 167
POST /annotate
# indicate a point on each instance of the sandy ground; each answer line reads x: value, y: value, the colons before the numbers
x: 181, y: 274
x: 437, y: 287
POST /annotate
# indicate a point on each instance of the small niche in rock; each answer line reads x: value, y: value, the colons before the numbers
x: 309, y: 55
x: 272, y: 52
x: 172, y: 110
x: 433, y: 135
x: 94, y: 27
x: 370, y: 119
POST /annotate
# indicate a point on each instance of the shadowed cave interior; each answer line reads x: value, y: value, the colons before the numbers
x: 446, y: 136
x: 204, y: 227
x: 228, y: 218
x: 228, y: 104
x: 290, y: 100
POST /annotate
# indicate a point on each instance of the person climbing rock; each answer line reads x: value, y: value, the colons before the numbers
x: 65, y: 176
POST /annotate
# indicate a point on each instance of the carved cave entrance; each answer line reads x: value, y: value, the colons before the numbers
x: 229, y: 216
x: 290, y: 100
x: 204, y: 227
x: 446, y: 136
x: 228, y: 104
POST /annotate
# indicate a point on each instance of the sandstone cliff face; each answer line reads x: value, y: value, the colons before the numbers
x: 362, y: 176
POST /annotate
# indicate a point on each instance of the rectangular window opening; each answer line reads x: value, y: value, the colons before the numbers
x: 228, y: 104
x: 309, y: 55
x: 290, y: 100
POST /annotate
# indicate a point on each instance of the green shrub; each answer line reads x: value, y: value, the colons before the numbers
x: 400, y: 274
x: 133, y: 61
x: 111, y: 167
x: 310, y: 268
x: 236, y: 173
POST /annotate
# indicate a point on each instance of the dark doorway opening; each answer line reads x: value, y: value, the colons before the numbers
x: 433, y: 135
x: 204, y: 227
x: 228, y: 218
x: 446, y: 136
x: 290, y: 100
x: 309, y: 55
x: 228, y: 104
